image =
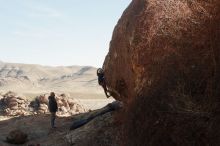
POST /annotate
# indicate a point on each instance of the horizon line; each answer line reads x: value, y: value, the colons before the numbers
x: 46, y: 65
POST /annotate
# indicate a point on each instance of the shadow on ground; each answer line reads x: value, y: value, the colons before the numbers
x: 98, y: 130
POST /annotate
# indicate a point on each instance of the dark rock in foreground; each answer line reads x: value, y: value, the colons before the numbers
x: 101, y: 131
x: 17, y: 137
x: 116, y: 105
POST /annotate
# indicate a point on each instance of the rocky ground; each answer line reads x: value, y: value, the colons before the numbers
x: 98, y: 132
x: 37, y: 127
x: 12, y: 104
x: 19, y: 115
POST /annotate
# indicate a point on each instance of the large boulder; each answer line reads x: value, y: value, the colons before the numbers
x: 164, y: 64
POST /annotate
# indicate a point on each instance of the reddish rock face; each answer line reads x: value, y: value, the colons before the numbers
x: 164, y: 64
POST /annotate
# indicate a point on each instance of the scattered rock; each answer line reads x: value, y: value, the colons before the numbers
x: 69, y: 106
x: 14, y: 105
x: 66, y: 105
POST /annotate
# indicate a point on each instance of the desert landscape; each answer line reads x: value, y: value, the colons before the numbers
x: 24, y: 91
x: 78, y: 82
x: 162, y: 69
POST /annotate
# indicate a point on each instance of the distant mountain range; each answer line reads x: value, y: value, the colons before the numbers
x: 32, y: 79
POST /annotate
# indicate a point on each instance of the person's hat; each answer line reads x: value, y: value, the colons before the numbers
x: 100, y: 70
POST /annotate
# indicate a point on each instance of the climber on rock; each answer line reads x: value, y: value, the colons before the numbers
x: 52, y: 108
x: 102, y: 82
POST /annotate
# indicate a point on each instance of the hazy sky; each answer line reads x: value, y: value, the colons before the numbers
x: 58, y: 32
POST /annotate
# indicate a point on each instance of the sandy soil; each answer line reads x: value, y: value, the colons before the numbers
x: 95, y: 103
x: 38, y: 129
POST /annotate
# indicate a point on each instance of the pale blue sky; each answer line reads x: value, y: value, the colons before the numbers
x: 58, y: 32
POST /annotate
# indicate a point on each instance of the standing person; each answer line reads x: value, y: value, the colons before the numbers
x: 101, y: 81
x: 52, y: 108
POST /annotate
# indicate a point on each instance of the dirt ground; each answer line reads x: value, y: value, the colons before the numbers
x: 38, y: 129
x: 96, y: 103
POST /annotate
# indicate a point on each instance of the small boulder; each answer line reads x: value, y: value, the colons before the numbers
x: 16, y: 137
